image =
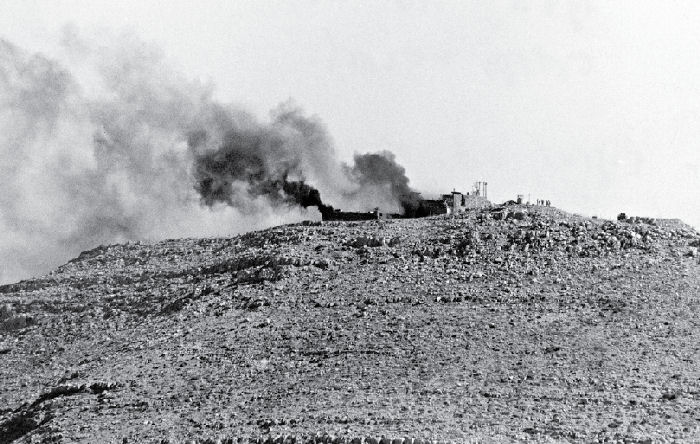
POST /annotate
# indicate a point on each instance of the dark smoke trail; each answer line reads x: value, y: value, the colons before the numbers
x: 261, y: 160
x: 273, y: 161
x: 137, y: 151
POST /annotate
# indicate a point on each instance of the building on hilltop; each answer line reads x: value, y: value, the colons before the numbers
x: 457, y: 202
x: 452, y: 203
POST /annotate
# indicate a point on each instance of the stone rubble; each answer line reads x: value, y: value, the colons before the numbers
x: 511, y: 323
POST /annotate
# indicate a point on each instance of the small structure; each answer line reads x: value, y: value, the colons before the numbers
x: 457, y: 202
x: 333, y: 214
x: 452, y: 203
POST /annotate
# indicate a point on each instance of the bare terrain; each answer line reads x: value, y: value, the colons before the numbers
x: 499, y: 325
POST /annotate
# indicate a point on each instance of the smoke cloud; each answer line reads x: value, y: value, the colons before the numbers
x: 379, y: 171
x: 111, y: 145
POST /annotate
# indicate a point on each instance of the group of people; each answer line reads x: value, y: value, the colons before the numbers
x: 546, y: 203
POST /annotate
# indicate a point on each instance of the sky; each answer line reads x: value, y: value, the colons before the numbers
x: 593, y: 105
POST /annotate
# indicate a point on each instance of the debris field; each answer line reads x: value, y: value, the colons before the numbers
x: 505, y: 324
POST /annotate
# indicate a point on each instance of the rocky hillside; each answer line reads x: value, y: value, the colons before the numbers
x: 504, y: 324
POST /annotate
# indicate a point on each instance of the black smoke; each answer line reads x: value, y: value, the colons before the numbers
x: 107, y: 144
x: 272, y: 162
x: 381, y: 170
x: 257, y: 162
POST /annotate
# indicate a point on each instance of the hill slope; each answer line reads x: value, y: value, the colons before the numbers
x: 508, y: 324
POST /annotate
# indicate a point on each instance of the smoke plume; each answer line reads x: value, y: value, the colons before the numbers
x: 111, y: 145
x: 380, y: 171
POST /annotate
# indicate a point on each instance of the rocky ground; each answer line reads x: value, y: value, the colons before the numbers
x: 504, y: 324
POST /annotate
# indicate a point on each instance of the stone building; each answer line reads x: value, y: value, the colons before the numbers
x: 457, y: 202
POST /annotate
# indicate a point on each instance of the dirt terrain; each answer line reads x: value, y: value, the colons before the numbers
x: 500, y: 325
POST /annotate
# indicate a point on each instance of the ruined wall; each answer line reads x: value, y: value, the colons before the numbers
x: 424, y: 208
x: 431, y: 207
x: 348, y: 215
x: 458, y: 202
x: 473, y: 201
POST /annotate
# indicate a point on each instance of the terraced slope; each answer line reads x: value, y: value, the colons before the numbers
x: 508, y: 324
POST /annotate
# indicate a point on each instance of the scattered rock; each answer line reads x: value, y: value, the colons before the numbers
x: 439, y: 326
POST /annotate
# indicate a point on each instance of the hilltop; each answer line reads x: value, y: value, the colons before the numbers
x: 513, y: 323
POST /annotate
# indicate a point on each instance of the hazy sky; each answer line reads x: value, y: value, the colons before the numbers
x: 593, y: 105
